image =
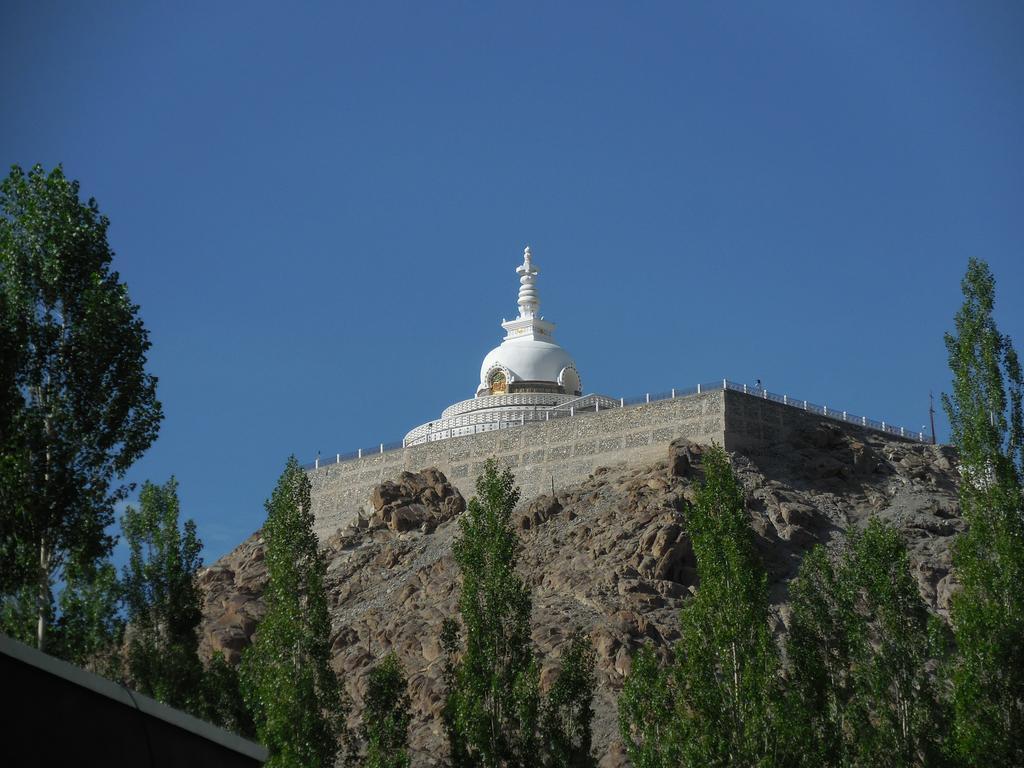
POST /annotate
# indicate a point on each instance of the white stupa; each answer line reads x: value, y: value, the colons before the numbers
x: 528, y: 377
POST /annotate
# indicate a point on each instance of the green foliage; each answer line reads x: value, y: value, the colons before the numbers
x: 223, y: 703
x: 286, y: 677
x: 861, y: 642
x: 162, y: 599
x: 386, y: 716
x: 988, y: 613
x: 567, y: 711
x: 18, y: 614
x: 494, y: 712
x: 77, y: 406
x: 164, y: 608
x: 647, y: 714
x: 717, y: 702
x: 89, y: 628
x: 985, y: 408
x: 493, y: 690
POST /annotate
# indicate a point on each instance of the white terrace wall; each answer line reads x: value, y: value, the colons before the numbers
x: 561, y: 452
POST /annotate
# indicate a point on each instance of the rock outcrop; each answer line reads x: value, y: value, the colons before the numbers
x: 420, y: 500
x: 610, y: 555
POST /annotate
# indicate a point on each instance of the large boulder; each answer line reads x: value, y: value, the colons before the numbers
x: 416, y: 500
x: 683, y: 455
x: 540, y: 510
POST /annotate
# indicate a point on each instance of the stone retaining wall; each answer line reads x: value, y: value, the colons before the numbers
x: 753, y: 424
x: 557, y: 452
x: 565, y: 451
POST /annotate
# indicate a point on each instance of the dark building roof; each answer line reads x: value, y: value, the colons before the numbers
x: 60, y: 714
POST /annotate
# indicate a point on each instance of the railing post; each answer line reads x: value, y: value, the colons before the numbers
x: 883, y: 426
x: 725, y: 383
x: 648, y: 397
x: 785, y: 399
x: 698, y: 389
x: 901, y: 432
x: 597, y: 406
x: 805, y: 405
x: 844, y: 415
x: 316, y: 463
x: 764, y: 392
x: 547, y: 415
x: 360, y: 450
x: 744, y: 389
x: 824, y: 410
x: 337, y: 456
x: 864, y: 421
x: 673, y: 393
x: 622, y: 402
x: 572, y: 410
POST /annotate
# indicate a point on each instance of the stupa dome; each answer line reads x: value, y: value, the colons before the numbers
x: 527, y: 361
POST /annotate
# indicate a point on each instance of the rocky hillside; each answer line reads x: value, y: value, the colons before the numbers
x: 610, y: 555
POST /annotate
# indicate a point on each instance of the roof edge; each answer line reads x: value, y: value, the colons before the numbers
x: 129, y: 698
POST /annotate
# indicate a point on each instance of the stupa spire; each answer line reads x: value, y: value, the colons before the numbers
x: 529, y: 301
x: 529, y: 325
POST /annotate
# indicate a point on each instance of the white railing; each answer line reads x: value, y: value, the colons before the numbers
x: 823, y: 410
x: 483, y: 422
x: 496, y: 401
x: 510, y: 416
x: 586, y: 403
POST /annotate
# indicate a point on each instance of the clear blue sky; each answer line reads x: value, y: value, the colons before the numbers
x: 319, y: 207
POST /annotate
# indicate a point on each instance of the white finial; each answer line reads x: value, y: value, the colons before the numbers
x: 529, y: 301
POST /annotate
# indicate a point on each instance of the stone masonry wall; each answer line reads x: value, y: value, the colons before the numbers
x: 753, y: 424
x: 541, y: 454
x: 565, y: 451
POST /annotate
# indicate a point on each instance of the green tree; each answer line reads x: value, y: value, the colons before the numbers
x: 287, y: 680
x: 386, y: 716
x: 223, y: 703
x: 717, y: 703
x: 567, y: 711
x: 164, y: 606
x: 861, y: 646
x: 90, y: 626
x: 988, y: 613
x: 79, y: 407
x: 648, y: 721
x: 494, y: 712
x: 18, y: 614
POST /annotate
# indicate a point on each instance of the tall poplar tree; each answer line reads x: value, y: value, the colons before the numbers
x: 386, y: 716
x: 495, y: 715
x: 288, y: 684
x: 90, y: 627
x: 988, y: 613
x: 163, y: 606
x: 717, y: 703
x: 493, y: 697
x: 162, y: 598
x: 861, y: 646
x: 78, y: 405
